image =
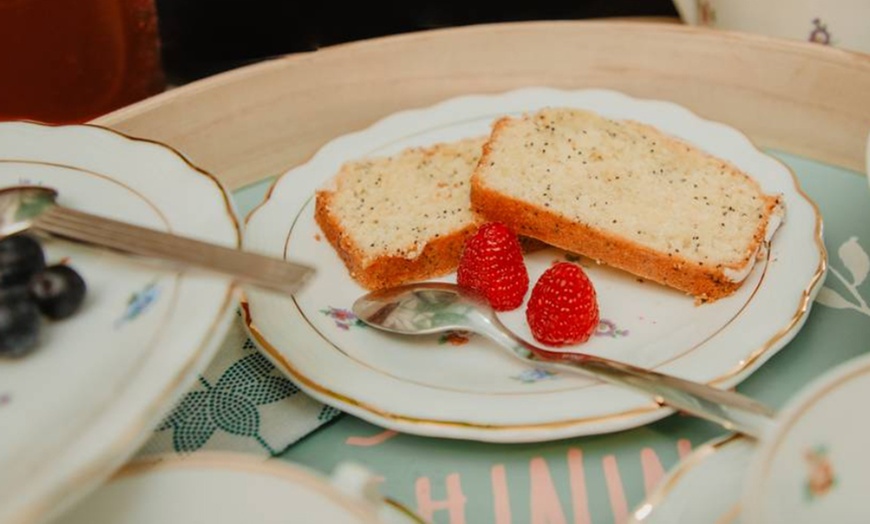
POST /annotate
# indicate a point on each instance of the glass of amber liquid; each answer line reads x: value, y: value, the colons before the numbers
x: 67, y: 61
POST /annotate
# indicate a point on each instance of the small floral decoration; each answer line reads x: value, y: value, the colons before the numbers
x: 607, y: 328
x: 138, y: 303
x: 5, y: 398
x: 343, y: 318
x: 820, y: 33
x: 455, y: 338
x: 821, y: 478
x: 530, y: 376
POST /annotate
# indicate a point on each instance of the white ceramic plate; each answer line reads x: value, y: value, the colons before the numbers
x: 814, y: 466
x: 76, y: 408
x: 473, y: 391
x: 704, y: 488
x: 231, y: 488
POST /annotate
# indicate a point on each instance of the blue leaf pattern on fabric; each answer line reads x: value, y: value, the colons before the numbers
x: 229, y: 405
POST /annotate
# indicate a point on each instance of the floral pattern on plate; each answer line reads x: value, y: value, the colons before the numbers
x: 821, y: 477
x: 139, y: 302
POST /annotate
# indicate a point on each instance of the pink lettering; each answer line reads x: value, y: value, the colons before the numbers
x: 545, y: 505
x: 615, y: 488
x: 454, y: 503
x: 652, y: 469
x: 374, y: 440
x: 684, y: 447
x: 500, y: 496
x: 577, y: 478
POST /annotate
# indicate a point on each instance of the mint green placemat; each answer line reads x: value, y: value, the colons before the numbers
x: 242, y: 403
x: 600, y: 479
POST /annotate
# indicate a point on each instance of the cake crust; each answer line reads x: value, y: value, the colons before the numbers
x: 401, y: 218
x: 706, y: 280
x: 695, y: 278
x: 439, y: 256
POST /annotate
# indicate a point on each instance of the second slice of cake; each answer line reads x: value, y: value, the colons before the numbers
x: 627, y: 195
x: 404, y: 217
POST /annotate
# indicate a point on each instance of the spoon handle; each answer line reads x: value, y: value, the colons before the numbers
x: 731, y: 410
x: 267, y: 272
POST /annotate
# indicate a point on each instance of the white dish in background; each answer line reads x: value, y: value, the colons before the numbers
x: 814, y: 466
x: 811, y: 467
x: 77, y: 407
x: 867, y: 158
x: 703, y: 488
x: 233, y: 488
x: 473, y: 391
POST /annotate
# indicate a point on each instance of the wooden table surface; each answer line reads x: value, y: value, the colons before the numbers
x: 255, y: 122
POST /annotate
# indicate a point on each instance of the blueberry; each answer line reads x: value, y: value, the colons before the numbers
x: 19, y: 322
x: 58, y: 291
x: 21, y: 257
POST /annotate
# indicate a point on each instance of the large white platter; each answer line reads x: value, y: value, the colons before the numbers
x: 76, y: 408
x: 472, y: 391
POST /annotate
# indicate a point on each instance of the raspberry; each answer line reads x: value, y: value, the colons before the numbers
x: 563, y: 309
x: 492, y: 265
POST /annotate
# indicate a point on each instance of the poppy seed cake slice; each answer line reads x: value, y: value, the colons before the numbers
x: 627, y: 195
x: 404, y: 217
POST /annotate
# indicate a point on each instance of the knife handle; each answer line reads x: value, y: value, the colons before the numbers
x: 246, y: 268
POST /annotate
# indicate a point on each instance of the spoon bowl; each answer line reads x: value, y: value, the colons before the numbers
x: 20, y: 205
x: 427, y: 308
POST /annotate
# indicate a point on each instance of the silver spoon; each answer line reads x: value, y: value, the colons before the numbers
x: 434, y: 307
x: 33, y: 207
